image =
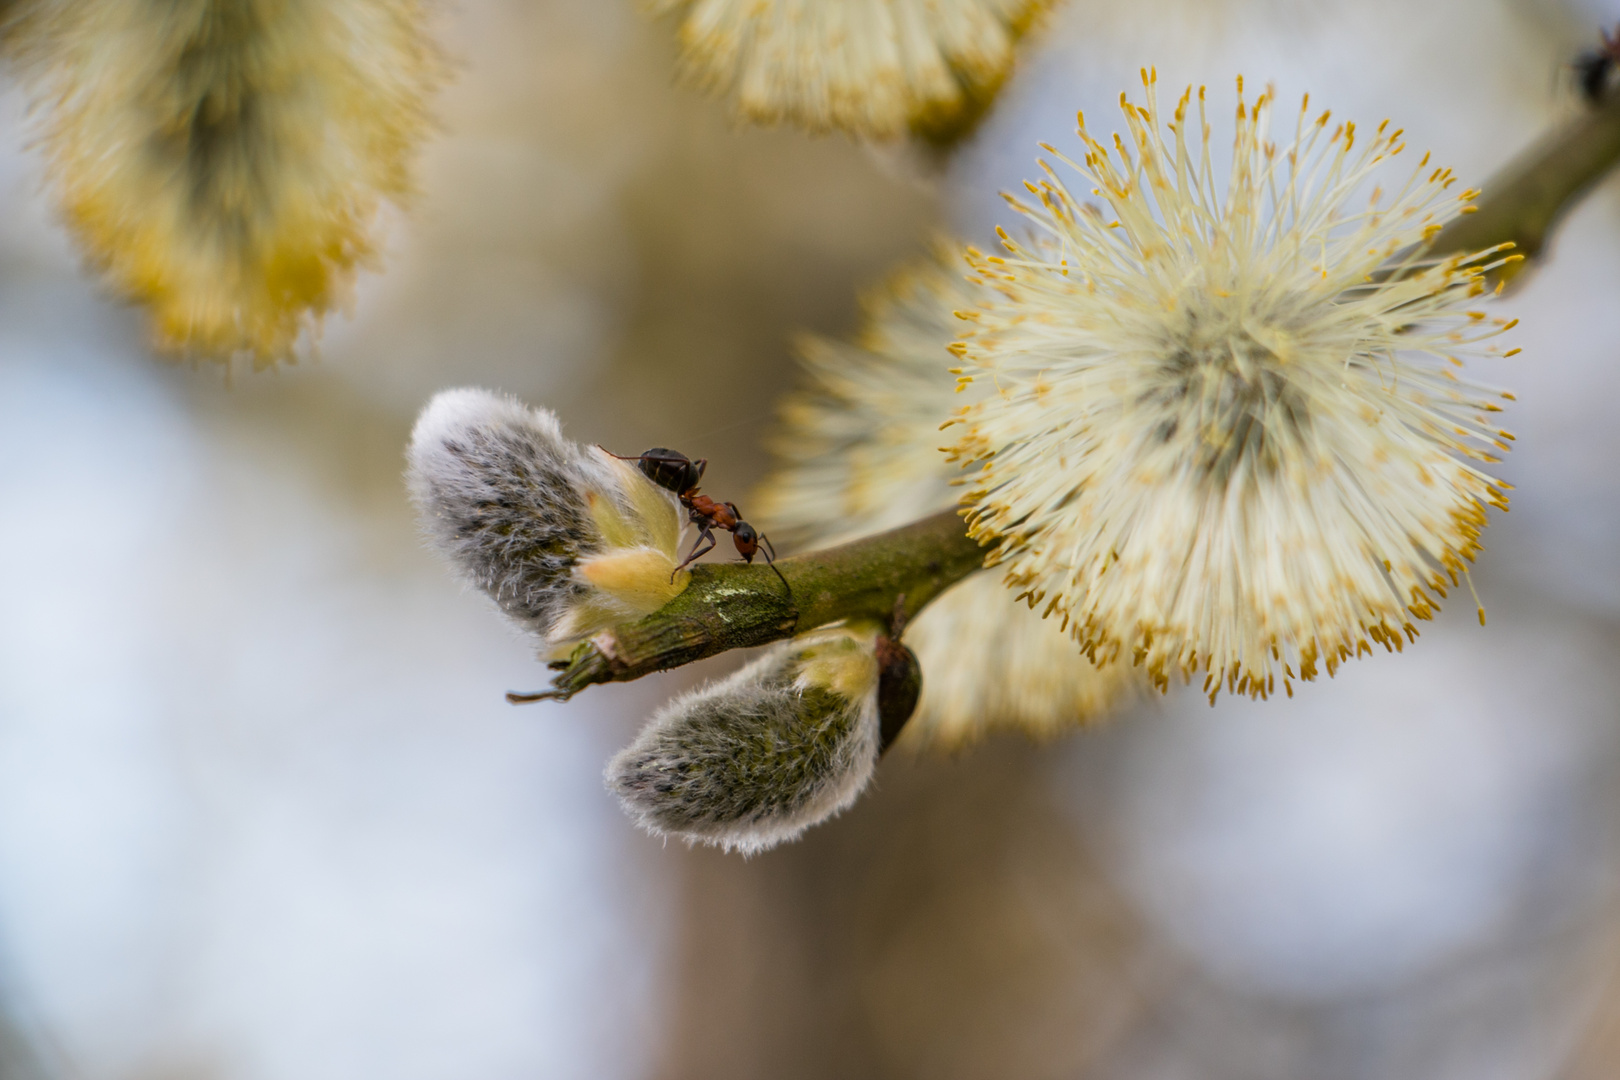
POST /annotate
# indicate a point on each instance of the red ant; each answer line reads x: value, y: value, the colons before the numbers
x: 674, y: 471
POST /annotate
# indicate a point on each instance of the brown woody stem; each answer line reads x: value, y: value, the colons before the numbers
x: 1524, y: 201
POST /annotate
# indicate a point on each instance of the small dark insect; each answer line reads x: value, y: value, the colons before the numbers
x: 1593, y: 67
x: 674, y: 471
x: 899, y: 679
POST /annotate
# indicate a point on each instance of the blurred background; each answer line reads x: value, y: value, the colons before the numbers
x: 264, y: 813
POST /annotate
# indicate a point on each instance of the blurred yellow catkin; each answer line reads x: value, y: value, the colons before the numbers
x: 223, y: 162
x: 858, y: 452
x: 879, y: 69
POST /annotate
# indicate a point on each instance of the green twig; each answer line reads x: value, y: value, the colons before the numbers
x: 734, y: 607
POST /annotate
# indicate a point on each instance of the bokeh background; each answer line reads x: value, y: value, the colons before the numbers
x: 264, y: 813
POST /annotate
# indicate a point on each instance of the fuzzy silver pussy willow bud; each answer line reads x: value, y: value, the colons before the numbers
x: 753, y: 760
x: 566, y: 539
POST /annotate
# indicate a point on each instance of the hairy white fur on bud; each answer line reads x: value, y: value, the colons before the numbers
x: 566, y: 539
x: 753, y: 760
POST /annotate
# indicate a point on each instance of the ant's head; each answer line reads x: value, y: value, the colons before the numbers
x: 746, y: 539
x: 671, y: 469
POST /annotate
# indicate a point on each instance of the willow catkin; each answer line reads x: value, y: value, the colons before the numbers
x: 879, y: 69
x: 566, y: 539
x: 858, y: 452
x: 1225, y: 442
x: 223, y: 162
x: 753, y: 760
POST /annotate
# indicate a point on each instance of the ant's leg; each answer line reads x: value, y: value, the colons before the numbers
x: 705, y: 533
x: 698, y: 550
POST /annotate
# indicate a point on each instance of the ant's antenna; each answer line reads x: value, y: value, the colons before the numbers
x: 770, y: 561
x: 772, y: 564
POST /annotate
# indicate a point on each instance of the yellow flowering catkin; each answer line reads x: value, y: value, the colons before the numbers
x: 223, y: 162
x: 1226, y: 436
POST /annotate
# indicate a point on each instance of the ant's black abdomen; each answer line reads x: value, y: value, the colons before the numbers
x: 671, y: 469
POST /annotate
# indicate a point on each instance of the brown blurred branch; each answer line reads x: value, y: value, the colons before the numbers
x: 1523, y: 202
